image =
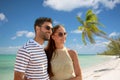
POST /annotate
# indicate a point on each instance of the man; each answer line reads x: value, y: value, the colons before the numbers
x: 31, y: 60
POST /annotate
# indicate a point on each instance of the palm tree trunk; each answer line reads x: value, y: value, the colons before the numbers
x: 106, y: 37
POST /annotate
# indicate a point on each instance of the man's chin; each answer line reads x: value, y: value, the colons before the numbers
x: 46, y: 39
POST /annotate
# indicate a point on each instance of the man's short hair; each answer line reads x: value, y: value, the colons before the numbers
x: 39, y: 21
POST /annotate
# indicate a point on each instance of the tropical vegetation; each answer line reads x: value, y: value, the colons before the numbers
x: 113, y: 48
x: 90, y: 28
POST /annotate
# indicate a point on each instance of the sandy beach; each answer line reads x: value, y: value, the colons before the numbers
x: 109, y: 70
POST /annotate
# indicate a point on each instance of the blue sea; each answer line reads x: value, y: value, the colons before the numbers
x: 7, y: 62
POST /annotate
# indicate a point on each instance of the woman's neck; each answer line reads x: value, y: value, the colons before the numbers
x: 59, y: 46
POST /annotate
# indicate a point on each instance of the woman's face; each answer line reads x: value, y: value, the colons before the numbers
x: 59, y: 36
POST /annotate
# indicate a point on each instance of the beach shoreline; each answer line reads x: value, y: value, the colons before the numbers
x: 89, y: 73
x: 103, y: 71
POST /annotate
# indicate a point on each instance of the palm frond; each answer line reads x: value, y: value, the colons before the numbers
x: 90, y: 36
x: 94, y: 29
x: 89, y: 12
x: 81, y: 28
x: 94, y: 23
x: 91, y: 17
x: 90, y: 28
x: 102, y: 32
x: 83, y: 38
x: 80, y: 20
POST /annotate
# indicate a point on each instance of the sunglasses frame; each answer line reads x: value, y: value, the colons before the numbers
x: 60, y: 34
x: 48, y: 28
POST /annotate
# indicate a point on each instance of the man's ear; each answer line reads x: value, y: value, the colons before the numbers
x: 37, y: 28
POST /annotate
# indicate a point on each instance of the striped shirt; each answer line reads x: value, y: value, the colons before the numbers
x: 32, y: 60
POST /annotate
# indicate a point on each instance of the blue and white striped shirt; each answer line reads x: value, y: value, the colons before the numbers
x: 32, y: 60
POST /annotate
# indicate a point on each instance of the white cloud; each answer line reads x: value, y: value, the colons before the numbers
x: 79, y: 14
x: 101, y: 43
x: 74, y: 39
x: 55, y: 22
x: 100, y: 46
x: 14, y: 37
x: 97, y: 11
x: 114, y: 34
x: 110, y: 3
x: 69, y: 5
x: 9, y: 50
x: 99, y: 38
x: 76, y: 31
x: 3, y: 17
x: 30, y: 34
x: 23, y: 33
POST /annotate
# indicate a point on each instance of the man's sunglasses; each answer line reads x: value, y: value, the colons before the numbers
x: 48, y: 28
x: 60, y: 34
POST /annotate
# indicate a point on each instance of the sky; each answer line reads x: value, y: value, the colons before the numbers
x: 17, y: 19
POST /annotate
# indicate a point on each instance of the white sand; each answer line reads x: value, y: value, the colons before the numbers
x: 109, y: 70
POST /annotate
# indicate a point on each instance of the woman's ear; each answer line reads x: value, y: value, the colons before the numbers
x: 53, y: 37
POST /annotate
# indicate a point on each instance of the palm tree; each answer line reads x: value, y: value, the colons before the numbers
x: 89, y: 27
x: 114, y: 46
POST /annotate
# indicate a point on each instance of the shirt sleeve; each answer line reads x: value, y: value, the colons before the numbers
x: 22, y: 60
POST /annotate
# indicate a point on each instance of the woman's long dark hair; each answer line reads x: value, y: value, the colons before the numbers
x: 50, y: 49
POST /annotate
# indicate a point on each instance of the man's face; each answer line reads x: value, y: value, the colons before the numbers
x: 46, y: 30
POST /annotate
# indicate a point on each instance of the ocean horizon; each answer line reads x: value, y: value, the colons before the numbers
x: 7, y: 62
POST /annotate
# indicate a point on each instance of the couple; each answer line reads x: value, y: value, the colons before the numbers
x: 55, y: 62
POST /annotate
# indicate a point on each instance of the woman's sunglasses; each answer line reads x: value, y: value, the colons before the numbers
x: 60, y: 34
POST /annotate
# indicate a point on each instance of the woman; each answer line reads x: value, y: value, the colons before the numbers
x: 63, y: 63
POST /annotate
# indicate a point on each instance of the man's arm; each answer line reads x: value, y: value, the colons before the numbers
x: 19, y: 75
x: 22, y: 60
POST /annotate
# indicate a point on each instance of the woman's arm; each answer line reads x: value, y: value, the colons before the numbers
x: 76, y: 65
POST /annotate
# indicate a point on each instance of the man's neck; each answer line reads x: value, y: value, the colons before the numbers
x: 40, y: 41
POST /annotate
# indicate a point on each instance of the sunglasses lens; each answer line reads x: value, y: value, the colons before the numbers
x: 61, y: 34
x: 48, y: 27
x: 65, y: 33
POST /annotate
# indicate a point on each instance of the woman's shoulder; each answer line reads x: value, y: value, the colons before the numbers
x: 72, y: 52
